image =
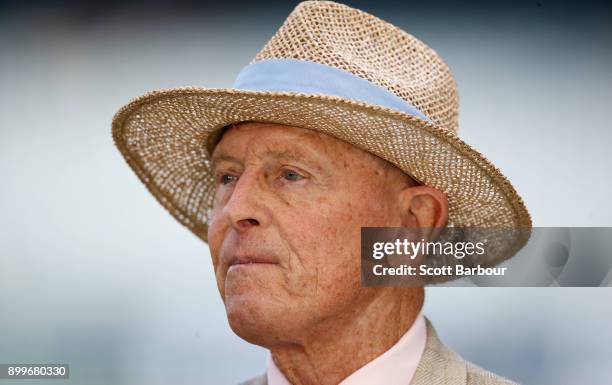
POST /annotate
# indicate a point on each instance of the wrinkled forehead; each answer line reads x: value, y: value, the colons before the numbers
x: 277, y: 139
x: 272, y: 140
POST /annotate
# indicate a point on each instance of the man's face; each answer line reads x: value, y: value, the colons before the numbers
x: 285, y: 229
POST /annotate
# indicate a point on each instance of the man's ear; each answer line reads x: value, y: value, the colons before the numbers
x: 424, y: 208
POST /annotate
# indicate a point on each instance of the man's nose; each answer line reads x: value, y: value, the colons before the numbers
x: 246, y: 207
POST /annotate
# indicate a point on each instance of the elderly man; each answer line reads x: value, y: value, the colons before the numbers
x: 284, y: 238
x: 342, y: 121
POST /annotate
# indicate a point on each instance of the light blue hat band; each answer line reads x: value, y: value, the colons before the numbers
x: 290, y: 75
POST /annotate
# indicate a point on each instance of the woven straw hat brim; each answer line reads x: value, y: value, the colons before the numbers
x: 163, y: 136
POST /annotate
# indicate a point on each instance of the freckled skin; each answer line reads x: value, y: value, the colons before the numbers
x: 302, y: 197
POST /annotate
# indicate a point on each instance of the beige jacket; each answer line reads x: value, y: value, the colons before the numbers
x: 439, y: 365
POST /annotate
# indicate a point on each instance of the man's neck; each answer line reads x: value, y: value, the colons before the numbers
x: 341, y: 345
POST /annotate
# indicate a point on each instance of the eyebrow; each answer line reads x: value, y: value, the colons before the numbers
x: 273, y: 154
x: 224, y: 157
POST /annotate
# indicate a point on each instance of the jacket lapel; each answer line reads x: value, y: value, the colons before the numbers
x: 439, y: 365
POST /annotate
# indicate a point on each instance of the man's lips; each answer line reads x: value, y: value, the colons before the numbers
x: 250, y: 260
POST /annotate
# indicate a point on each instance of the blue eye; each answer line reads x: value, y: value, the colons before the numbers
x: 291, y: 175
x: 227, y: 178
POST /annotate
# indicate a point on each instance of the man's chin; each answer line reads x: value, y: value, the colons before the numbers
x: 251, y: 327
x: 254, y: 321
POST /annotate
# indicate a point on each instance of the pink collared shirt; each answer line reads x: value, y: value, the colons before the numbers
x: 396, y: 366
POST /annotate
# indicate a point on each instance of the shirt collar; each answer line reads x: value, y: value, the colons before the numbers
x: 396, y: 366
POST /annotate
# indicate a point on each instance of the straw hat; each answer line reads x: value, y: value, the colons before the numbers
x: 339, y: 71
